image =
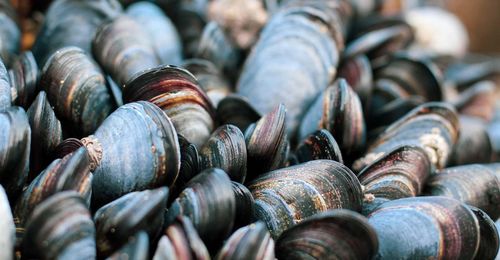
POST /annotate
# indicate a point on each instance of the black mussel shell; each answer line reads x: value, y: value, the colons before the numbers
x: 8, y: 234
x: 245, y: 205
x: 24, y: 79
x: 136, y: 248
x: 318, y: 145
x: 249, y: 242
x: 5, y: 92
x: 236, y: 110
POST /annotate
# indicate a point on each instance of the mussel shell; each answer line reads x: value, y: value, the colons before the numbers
x: 249, y: 242
x: 176, y: 92
x: 318, y: 145
x: 338, y: 110
x: 432, y: 126
x: 5, y: 93
x: 357, y: 72
x: 489, y: 244
x: 209, y: 202
x: 10, y: 33
x: 245, y: 205
x: 335, y: 234
x: 494, y: 136
x: 120, y: 219
x: 398, y: 174
x: 287, y: 196
x: 473, y: 144
x: 474, y: 184
x: 60, y: 228
x: 236, y: 110
x: 226, y: 149
x: 190, y: 166
x: 25, y: 79
x: 72, y: 23
x: 162, y: 32
x: 266, y: 142
x: 465, y: 75
x: 123, y: 48
x: 46, y: 133
x: 69, y: 173
x: 478, y: 100
x: 425, y: 227
x: 181, y: 240
x: 77, y: 89
x: 8, y: 234
x: 15, y: 141
x: 139, y: 149
x: 136, y: 248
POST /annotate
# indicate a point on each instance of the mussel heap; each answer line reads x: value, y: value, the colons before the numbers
x: 245, y: 129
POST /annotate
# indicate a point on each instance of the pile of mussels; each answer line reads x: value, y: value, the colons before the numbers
x: 139, y: 130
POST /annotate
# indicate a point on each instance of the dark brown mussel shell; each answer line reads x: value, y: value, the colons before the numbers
x: 121, y: 219
x: 475, y: 184
x: 267, y: 143
x: 136, y: 248
x: 400, y: 173
x: 477, y: 101
x: 69, y: 173
x: 426, y: 228
x: 8, y: 234
x: 46, y: 133
x: 162, y: 32
x: 287, y: 196
x: 209, y: 202
x: 318, y: 145
x: 433, y: 126
x: 178, y: 94
x: 335, y: 234
x: 338, y: 110
x: 14, y: 150
x: 180, y: 241
x: 135, y: 148
x: 5, y: 92
x: 10, y: 33
x: 245, y: 205
x: 226, y: 149
x: 60, y: 228
x: 473, y: 144
x: 77, y: 89
x: 24, y: 79
x: 236, y: 110
x: 210, y: 78
x: 357, y: 71
x: 72, y: 23
x: 489, y: 245
x: 249, y: 242
x: 123, y: 48
x: 190, y: 166
x: 190, y: 19
x: 293, y: 61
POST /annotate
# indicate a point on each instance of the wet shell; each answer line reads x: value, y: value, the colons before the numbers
x: 190, y: 166
x: 60, y: 228
x: 266, y: 142
x: 226, y: 150
x: 24, y: 79
x: 433, y: 126
x: 8, y: 234
x: 69, y: 173
x: 357, y: 71
x: 425, y: 227
x: 5, y: 93
x: 124, y: 48
x: 475, y: 184
x: 477, y: 100
x: 10, y: 33
x: 245, y: 205
x: 162, y: 32
x: 287, y: 196
x: 176, y: 92
x: 136, y: 248
x: 473, y: 144
x: 77, y: 89
x: 210, y: 78
x: 209, y: 202
x: 46, y: 133
x: 135, y: 148
x: 121, y: 219
x: 319, y: 145
x: 181, y: 240
x: 249, y: 242
x: 236, y: 110
x: 489, y: 245
x: 72, y: 23
x: 339, y: 111
x: 15, y: 142
x: 335, y: 234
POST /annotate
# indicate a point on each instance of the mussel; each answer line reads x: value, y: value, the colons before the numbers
x: 24, y: 79
x: 76, y: 88
x: 474, y: 145
x: 236, y: 110
x: 319, y: 145
x: 60, y: 228
x: 175, y: 91
x: 335, y: 234
x: 249, y: 242
x: 136, y: 248
x: 245, y: 205
x: 287, y: 196
x: 8, y: 234
x: 10, y: 33
x: 5, y: 93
